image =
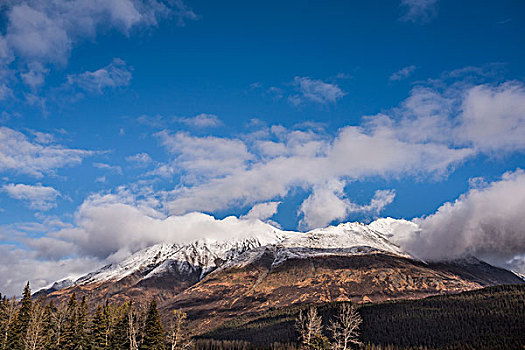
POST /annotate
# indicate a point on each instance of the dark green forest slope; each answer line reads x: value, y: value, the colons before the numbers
x: 490, y: 318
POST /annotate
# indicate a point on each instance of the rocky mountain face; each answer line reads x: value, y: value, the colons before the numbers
x: 218, y: 280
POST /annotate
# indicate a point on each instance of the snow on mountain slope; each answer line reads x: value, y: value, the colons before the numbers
x: 350, y: 234
x: 393, y: 227
x: 204, y: 256
x: 157, y: 259
x: 345, y: 239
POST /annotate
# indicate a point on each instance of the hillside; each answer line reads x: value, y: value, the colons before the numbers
x: 215, y: 281
x: 489, y: 318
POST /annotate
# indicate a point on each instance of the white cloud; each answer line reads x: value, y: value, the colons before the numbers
x: 19, y: 154
x: 205, y: 157
x: 38, y: 197
x: 262, y: 211
x: 324, y: 205
x: 114, y: 225
x: 203, y: 120
x: 17, y: 266
x: 305, y: 160
x: 101, y: 179
x: 419, y: 11
x: 403, y: 73
x: 153, y: 121
x: 184, y: 12
x: 114, y: 168
x: 431, y: 132
x: 5, y: 91
x: 328, y: 203
x: 314, y: 90
x: 487, y: 118
x: 116, y: 74
x: 35, y: 75
x: 141, y: 159
x: 43, y: 138
x: 40, y: 33
x: 485, y: 222
x: 493, y: 117
x: 45, y: 31
x: 33, y: 35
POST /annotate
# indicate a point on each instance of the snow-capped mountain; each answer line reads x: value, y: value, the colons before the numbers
x: 346, y: 235
x: 343, y: 240
x: 201, y: 254
x: 225, y: 278
x: 205, y: 256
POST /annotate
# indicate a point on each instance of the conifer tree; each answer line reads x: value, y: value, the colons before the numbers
x: 98, y: 330
x: 50, y: 326
x: 82, y: 325
x: 70, y: 338
x: 153, y: 331
x: 110, y: 315
x: 119, y: 336
x: 18, y: 331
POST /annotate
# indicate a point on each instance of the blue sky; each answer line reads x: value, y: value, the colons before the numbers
x: 301, y: 113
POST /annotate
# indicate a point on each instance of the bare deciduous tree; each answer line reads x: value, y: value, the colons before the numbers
x: 345, y: 328
x: 178, y: 336
x: 34, y: 337
x: 309, y: 325
x: 132, y: 328
x: 8, y: 316
x: 58, y: 317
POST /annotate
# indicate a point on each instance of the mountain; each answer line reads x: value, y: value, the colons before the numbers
x: 218, y: 280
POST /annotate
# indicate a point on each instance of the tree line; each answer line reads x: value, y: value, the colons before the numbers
x: 37, y: 325
x: 485, y: 319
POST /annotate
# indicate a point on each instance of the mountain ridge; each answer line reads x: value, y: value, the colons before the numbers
x: 214, y: 280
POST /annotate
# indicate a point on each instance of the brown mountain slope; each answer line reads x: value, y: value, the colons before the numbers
x: 258, y: 286
x: 274, y: 276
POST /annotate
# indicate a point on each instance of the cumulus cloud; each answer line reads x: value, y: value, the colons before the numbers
x: 419, y: 11
x: 114, y: 225
x: 19, y: 154
x: 486, y: 222
x: 299, y: 159
x: 493, y: 117
x: 328, y: 203
x: 474, y: 116
x: 39, y: 34
x: 37, y: 196
x: 436, y: 128
x: 314, y: 90
x: 403, y: 73
x: 34, y: 35
x: 205, y: 157
x: 116, y: 74
x: 262, y: 211
x: 107, y: 228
